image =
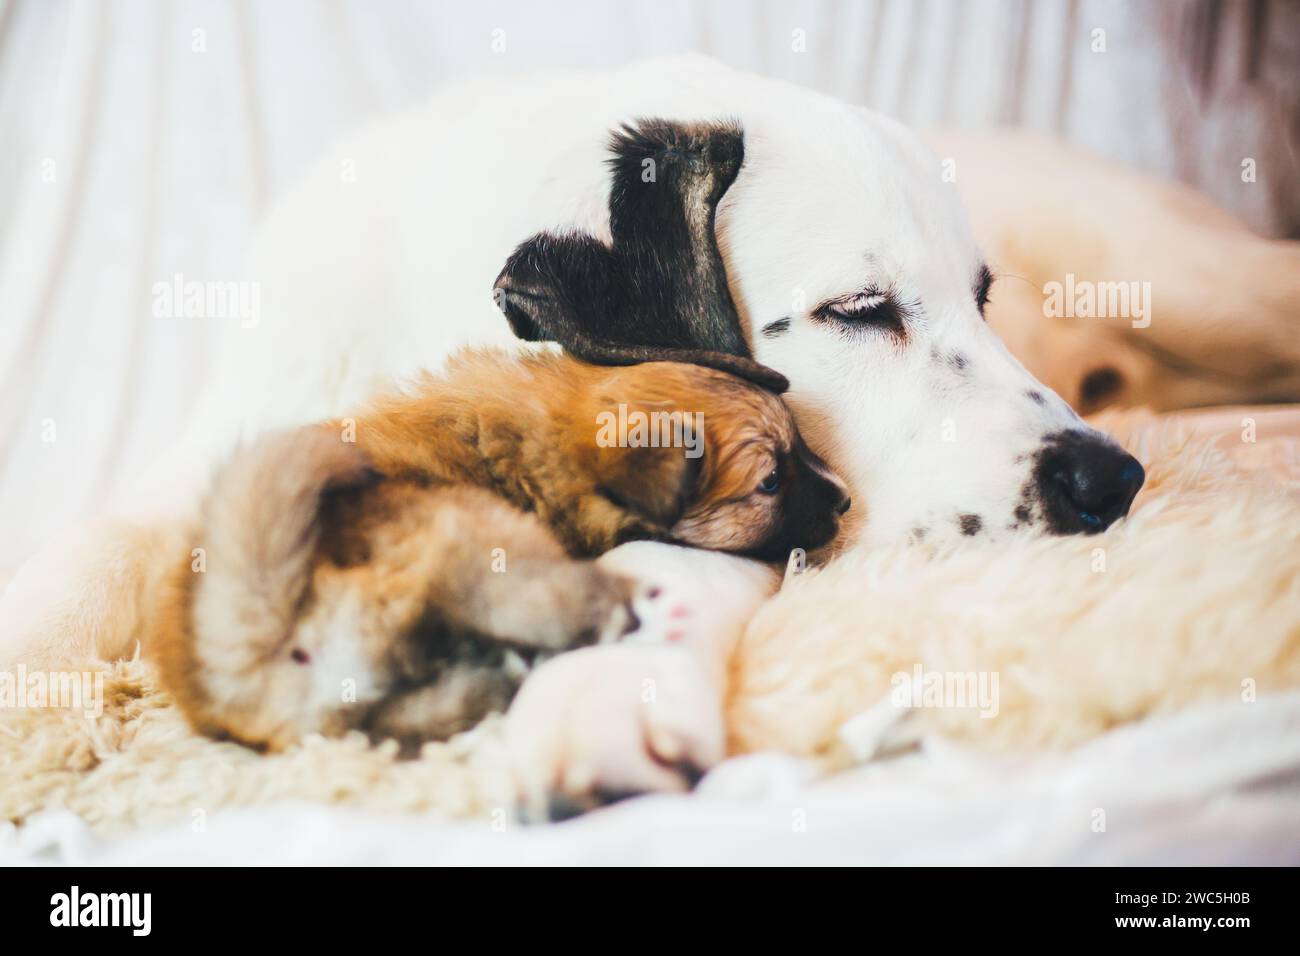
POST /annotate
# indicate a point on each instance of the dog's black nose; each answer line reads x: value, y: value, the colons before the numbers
x: 1086, y: 482
x: 844, y: 505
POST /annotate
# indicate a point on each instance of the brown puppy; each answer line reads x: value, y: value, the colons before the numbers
x: 398, y: 571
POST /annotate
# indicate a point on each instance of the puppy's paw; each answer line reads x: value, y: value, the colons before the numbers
x: 611, y: 608
x: 556, y: 606
x: 660, y: 615
x: 607, y: 722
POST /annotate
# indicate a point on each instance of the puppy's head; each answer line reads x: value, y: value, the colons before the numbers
x: 713, y: 461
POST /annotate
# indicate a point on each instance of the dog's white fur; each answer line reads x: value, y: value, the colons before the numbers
x: 378, y: 276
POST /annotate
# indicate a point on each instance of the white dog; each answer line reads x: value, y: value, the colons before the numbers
x: 854, y: 275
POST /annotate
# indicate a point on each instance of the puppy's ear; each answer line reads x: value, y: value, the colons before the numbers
x: 659, y: 291
x: 654, y: 484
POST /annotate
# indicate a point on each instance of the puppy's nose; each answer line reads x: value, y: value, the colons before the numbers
x: 1088, y: 483
x: 843, y: 506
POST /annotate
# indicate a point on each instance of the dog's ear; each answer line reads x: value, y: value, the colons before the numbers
x: 659, y: 291
x: 554, y: 286
x: 666, y: 181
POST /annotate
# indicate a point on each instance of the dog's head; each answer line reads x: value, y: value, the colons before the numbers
x: 852, y: 273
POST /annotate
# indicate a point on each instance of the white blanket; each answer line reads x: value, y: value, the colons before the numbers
x: 1216, y: 785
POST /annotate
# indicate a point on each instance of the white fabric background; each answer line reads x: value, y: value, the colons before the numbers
x: 143, y: 139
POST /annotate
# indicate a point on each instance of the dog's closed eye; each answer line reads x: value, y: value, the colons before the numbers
x: 983, y: 284
x: 871, y: 308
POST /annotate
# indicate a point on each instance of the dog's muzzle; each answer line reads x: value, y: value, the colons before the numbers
x: 1085, y: 482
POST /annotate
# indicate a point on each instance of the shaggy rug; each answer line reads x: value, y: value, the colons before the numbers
x: 1195, y: 598
x: 1040, y: 642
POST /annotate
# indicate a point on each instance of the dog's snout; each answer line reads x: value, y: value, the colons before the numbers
x: 1087, y: 483
x: 834, y: 494
x: 812, y: 505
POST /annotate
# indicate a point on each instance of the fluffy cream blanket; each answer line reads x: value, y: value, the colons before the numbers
x: 1195, y: 598
x: 1040, y: 642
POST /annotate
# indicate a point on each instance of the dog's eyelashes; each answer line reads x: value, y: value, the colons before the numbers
x: 859, y: 307
x: 983, y: 284
x: 872, y: 308
x: 772, y: 483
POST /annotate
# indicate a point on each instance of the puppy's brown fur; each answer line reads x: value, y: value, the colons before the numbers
x: 398, y: 571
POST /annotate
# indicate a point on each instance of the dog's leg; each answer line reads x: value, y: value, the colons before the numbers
x: 492, y: 588
x: 646, y: 714
x: 85, y: 595
x: 503, y: 576
x: 456, y: 701
x: 495, y: 589
x: 1192, y: 308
